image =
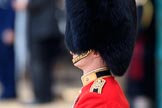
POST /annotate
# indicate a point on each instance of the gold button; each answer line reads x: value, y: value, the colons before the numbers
x: 87, y: 79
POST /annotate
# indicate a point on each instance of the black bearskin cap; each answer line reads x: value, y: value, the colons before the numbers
x: 106, y: 26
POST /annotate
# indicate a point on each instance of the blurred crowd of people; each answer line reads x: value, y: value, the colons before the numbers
x: 30, y: 28
x: 141, y: 73
x: 31, y: 32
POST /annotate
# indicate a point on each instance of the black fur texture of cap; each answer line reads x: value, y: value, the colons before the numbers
x: 106, y: 26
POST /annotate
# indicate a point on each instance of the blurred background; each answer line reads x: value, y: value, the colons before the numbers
x: 36, y: 69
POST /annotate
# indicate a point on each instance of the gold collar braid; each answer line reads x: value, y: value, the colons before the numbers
x: 81, y: 56
x: 91, y: 76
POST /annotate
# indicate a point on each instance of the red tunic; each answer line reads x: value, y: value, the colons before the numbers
x: 111, y: 96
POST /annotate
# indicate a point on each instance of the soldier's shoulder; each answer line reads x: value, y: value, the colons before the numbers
x: 98, y: 85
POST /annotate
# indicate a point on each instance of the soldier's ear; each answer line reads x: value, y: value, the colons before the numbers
x: 96, y: 54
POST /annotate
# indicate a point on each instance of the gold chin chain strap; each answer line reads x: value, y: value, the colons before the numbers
x: 81, y: 56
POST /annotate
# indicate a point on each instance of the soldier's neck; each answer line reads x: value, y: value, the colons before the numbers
x: 92, y: 67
